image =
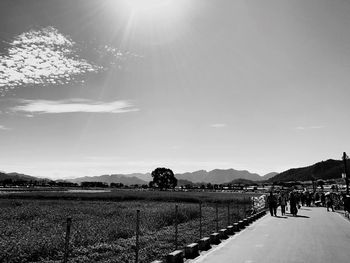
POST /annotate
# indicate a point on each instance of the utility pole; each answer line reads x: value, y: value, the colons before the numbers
x: 346, y: 172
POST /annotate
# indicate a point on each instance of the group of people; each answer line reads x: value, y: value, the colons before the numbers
x: 282, y: 199
x: 295, y: 198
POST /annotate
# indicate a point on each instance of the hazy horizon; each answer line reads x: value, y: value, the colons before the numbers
x: 121, y: 86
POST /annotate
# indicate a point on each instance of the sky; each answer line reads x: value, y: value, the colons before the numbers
x: 121, y: 86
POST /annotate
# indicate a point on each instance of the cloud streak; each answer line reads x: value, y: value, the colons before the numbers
x: 2, y: 127
x: 73, y: 106
x: 302, y: 128
x: 218, y: 125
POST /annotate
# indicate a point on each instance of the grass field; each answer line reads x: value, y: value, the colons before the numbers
x: 129, y: 195
x: 32, y: 225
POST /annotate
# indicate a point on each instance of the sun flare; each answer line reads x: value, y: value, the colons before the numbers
x: 149, y: 5
x: 155, y: 8
x: 151, y: 21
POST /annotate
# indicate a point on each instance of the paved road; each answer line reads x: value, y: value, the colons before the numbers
x: 314, y: 236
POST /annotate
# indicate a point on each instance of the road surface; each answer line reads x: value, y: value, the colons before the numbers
x: 314, y: 236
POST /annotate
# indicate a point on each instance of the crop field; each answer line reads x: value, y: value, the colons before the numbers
x: 126, y: 195
x: 33, y: 225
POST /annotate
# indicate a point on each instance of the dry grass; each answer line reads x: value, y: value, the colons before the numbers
x: 104, y: 231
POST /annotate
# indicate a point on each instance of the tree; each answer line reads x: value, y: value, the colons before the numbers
x: 163, y: 178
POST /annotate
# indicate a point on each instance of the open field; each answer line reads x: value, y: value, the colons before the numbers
x: 128, y: 195
x: 33, y: 230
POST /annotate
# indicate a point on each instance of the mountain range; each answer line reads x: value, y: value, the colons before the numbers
x: 221, y: 176
x: 113, y: 178
x: 217, y: 176
x: 329, y: 169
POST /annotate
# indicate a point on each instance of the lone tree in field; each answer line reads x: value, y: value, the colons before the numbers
x: 163, y: 178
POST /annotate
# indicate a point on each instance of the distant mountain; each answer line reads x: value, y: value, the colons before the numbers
x: 269, y: 175
x: 17, y: 177
x: 219, y: 176
x: 329, y: 169
x: 184, y: 182
x: 113, y: 178
x: 242, y: 181
x: 145, y: 177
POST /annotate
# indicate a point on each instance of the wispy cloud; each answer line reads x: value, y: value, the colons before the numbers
x: 73, y: 106
x: 218, y: 125
x: 301, y: 128
x: 2, y: 127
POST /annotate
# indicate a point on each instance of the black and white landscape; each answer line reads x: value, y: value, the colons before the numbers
x: 132, y: 128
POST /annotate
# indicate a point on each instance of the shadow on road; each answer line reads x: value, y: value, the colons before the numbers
x: 284, y: 217
x: 298, y: 216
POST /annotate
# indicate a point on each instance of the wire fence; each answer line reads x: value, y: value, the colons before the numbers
x: 131, y: 234
x: 187, y: 224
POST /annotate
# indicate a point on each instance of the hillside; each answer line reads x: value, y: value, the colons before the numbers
x: 219, y: 176
x: 329, y: 169
x: 113, y: 178
x: 243, y: 181
x: 269, y: 175
x: 17, y: 177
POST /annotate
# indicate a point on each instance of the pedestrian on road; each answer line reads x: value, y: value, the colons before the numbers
x: 317, y: 199
x: 329, y: 201
x: 303, y: 198
x: 346, y: 201
x: 336, y: 201
x: 293, y: 202
x: 283, y: 202
x: 323, y: 200
x: 272, y: 202
x: 307, y: 198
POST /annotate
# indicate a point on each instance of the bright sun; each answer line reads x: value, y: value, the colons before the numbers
x: 156, y: 8
x: 154, y: 18
x: 149, y: 5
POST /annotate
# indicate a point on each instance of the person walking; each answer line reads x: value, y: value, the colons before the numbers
x: 293, y: 202
x: 346, y: 202
x: 329, y: 201
x: 323, y: 199
x: 283, y: 202
x: 272, y: 202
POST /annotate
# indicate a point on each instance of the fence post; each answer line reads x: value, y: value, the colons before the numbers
x: 251, y: 204
x: 176, y: 230
x: 137, y: 236
x: 228, y: 213
x: 66, y: 244
x: 200, y: 220
x: 217, y: 217
x: 244, y: 207
x: 232, y: 213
